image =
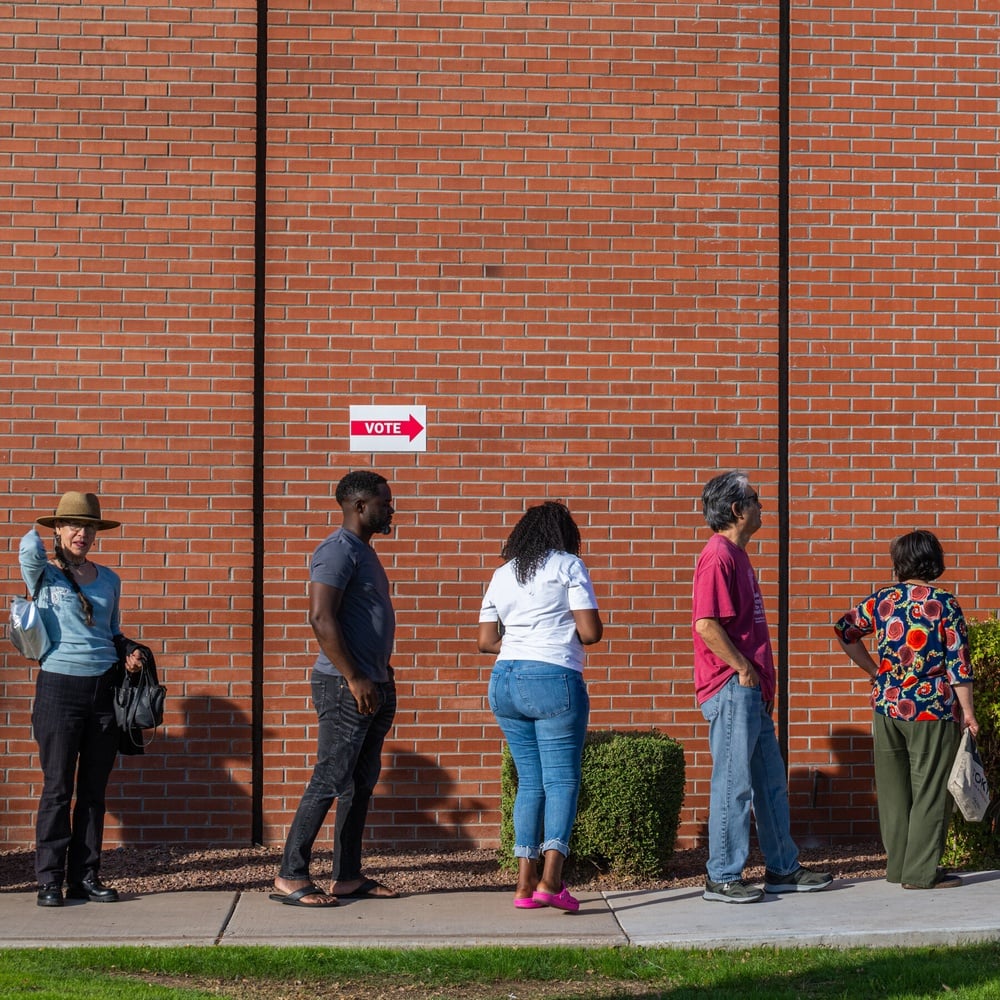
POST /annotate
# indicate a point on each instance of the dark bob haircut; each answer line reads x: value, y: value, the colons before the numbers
x: 917, y: 556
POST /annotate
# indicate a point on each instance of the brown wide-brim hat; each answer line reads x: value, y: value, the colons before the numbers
x: 83, y: 507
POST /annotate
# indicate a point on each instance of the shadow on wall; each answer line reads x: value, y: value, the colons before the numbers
x: 182, y: 787
x: 422, y: 808
x: 836, y: 803
x: 832, y: 804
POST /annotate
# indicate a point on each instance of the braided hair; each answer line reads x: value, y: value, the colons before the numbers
x: 63, y: 563
x: 543, y: 529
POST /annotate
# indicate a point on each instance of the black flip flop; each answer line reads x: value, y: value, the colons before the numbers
x: 295, y: 898
x: 364, y: 891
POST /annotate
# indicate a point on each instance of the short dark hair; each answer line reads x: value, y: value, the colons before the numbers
x: 917, y: 556
x: 719, y: 495
x: 361, y: 483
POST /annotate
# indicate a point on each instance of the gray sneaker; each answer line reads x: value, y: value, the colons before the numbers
x: 800, y: 880
x: 731, y: 892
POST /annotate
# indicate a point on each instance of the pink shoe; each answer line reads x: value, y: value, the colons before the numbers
x: 527, y: 903
x: 561, y: 900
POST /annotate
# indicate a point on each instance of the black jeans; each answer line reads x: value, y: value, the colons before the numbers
x: 349, y: 760
x: 74, y: 723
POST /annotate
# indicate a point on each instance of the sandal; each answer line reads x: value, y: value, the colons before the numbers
x: 561, y: 900
x: 295, y: 898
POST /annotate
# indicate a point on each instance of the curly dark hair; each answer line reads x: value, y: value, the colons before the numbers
x: 360, y: 483
x: 917, y: 556
x: 543, y: 529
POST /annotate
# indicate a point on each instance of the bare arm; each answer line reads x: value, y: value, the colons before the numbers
x: 963, y: 692
x: 489, y: 637
x: 714, y: 636
x: 858, y: 653
x: 324, y: 603
x: 589, y: 626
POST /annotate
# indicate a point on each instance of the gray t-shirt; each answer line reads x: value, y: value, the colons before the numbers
x: 366, y: 618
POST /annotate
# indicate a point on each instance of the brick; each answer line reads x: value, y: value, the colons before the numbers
x: 570, y: 258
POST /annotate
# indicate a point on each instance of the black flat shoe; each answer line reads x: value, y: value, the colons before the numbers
x: 92, y: 890
x: 50, y: 894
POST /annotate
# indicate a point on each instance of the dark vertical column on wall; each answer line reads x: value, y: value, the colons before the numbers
x: 260, y: 247
x: 784, y: 100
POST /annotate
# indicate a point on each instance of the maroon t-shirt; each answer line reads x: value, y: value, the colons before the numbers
x: 725, y: 588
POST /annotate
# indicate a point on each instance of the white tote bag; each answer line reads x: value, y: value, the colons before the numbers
x: 967, y: 782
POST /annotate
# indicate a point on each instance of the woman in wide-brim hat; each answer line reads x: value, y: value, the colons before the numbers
x: 73, y: 716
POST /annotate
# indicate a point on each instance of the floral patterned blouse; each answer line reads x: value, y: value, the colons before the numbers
x: 923, y: 649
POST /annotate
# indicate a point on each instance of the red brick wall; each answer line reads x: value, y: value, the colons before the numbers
x: 126, y: 241
x: 557, y: 229
x: 894, y: 339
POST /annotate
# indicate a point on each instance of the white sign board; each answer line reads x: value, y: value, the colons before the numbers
x: 388, y: 428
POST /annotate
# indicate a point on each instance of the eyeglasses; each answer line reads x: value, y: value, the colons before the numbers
x: 79, y: 529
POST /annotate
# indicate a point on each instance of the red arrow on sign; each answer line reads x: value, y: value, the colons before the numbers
x: 411, y: 427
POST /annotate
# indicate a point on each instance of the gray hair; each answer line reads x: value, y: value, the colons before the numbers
x: 719, y: 495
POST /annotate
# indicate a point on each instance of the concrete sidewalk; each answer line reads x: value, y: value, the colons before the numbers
x: 865, y: 913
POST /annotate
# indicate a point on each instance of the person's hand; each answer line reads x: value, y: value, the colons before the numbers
x: 970, y: 723
x: 134, y: 661
x: 749, y: 678
x: 366, y: 695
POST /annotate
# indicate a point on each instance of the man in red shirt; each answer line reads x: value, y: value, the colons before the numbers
x: 734, y: 681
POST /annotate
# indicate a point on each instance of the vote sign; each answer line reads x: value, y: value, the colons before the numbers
x: 388, y: 428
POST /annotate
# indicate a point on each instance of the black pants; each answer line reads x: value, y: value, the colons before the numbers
x: 74, y: 724
x: 349, y: 760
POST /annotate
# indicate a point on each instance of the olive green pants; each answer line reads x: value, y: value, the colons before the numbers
x: 912, y: 764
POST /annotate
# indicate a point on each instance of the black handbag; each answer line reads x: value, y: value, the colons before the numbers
x: 139, y: 702
x: 138, y: 698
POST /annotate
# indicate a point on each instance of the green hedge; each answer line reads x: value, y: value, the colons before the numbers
x: 977, y: 845
x: 631, y: 792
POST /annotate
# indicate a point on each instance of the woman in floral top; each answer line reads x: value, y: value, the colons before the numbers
x: 922, y: 698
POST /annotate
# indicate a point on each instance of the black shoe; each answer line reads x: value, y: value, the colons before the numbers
x: 91, y: 889
x: 50, y: 894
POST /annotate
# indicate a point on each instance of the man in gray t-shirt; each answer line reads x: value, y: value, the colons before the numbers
x: 367, y: 622
x: 350, y: 610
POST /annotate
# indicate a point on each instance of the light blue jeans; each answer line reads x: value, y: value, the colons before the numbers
x: 747, y: 770
x: 543, y: 711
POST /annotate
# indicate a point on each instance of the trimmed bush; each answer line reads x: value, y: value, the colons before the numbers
x: 631, y: 792
x: 977, y: 845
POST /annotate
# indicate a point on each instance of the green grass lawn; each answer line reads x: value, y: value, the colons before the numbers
x: 262, y: 973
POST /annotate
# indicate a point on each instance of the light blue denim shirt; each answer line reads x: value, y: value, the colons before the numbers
x: 77, y: 648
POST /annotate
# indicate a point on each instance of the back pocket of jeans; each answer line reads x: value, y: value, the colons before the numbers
x: 544, y: 695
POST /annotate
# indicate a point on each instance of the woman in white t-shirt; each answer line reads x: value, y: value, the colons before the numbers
x: 538, y: 613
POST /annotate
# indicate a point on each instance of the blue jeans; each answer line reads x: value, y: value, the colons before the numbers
x: 747, y: 770
x: 348, y: 763
x: 543, y: 710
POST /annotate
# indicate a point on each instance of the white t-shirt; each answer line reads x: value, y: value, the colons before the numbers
x: 538, y: 617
